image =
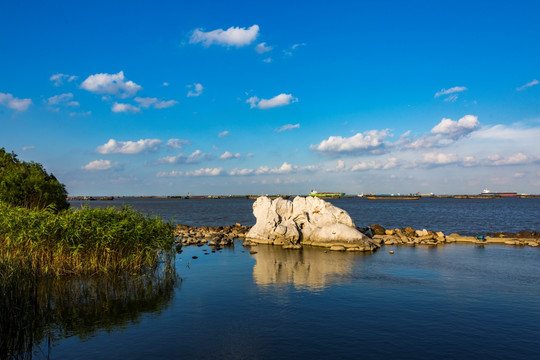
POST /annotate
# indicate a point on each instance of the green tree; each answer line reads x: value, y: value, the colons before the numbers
x: 28, y: 185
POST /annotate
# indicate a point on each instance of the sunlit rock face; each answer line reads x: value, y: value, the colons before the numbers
x: 307, y: 221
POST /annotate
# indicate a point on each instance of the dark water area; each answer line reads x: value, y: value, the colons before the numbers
x: 455, y: 301
x: 462, y: 216
x: 451, y: 302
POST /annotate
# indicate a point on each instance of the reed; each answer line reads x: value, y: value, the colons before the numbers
x: 81, y: 242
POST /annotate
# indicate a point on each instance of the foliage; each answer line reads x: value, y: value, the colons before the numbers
x: 28, y: 185
x: 85, y: 241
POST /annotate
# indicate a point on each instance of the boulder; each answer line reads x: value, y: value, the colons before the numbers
x: 305, y: 220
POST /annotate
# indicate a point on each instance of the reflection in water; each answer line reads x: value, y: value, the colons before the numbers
x: 311, y: 268
x: 34, y: 314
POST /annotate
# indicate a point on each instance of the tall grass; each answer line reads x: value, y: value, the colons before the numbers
x: 81, y: 242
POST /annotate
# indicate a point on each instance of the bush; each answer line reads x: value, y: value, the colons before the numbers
x: 28, y: 185
x: 86, y: 241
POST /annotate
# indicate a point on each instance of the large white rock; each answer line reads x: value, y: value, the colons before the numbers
x: 305, y: 220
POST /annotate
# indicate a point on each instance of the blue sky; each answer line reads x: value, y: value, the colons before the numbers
x: 174, y: 97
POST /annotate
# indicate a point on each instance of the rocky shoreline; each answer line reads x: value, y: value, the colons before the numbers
x: 220, y: 236
x: 308, y: 221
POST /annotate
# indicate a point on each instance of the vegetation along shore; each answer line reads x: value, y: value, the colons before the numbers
x: 40, y: 234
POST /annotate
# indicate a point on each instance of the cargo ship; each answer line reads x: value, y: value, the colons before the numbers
x: 393, y: 197
x: 326, y: 195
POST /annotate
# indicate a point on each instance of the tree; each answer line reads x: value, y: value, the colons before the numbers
x: 28, y: 185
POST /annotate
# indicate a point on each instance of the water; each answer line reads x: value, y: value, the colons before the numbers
x: 453, y: 301
x: 462, y: 216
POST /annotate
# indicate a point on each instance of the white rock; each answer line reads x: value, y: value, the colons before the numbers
x: 307, y: 220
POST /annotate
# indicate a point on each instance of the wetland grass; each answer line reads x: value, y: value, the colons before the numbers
x: 81, y: 242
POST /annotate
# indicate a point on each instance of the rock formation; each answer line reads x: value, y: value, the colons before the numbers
x: 305, y: 221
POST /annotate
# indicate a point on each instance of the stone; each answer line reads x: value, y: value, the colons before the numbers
x: 337, y: 248
x: 378, y: 229
x: 409, y: 232
x: 305, y: 220
x: 390, y: 232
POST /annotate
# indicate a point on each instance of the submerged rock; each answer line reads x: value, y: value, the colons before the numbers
x: 305, y: 221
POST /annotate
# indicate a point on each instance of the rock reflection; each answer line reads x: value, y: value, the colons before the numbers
x: 34, y: 314
x: 311, y: 268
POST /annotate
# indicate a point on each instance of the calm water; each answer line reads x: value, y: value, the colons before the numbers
x: 464, y: 216
x: 449, y: 302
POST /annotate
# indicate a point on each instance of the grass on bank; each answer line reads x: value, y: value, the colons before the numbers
x: 81, y: 242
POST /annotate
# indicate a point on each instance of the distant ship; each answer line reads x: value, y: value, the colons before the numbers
x: 326, y: 195
x: 393, y: 197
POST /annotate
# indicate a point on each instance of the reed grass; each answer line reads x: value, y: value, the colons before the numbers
x: 81, y: 242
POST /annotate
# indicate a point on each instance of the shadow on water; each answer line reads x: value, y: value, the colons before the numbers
x: 36, y: 313
x: 310, y: 268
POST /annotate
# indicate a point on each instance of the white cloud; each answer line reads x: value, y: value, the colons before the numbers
x: 227, y: 155
x: 451, y: 98
x: 99, y: 165
x: 434, y: 158
x: 263, y: 48
x: 233, y: 36
x: 197, y: 90
x: 196, y: 157
x: 268, y: 60
x: 241, y: 172
x: 14, y: 103
x: 276, y: 101
x: 289, y: 51
x: 177, y: 143
x: 456, y: 129
x: 86, y: 113
x: 287, y: 127
x: 58, y: 79
x: 112, y: 84
x: 361, y: 142
x: 147, y: 102
x: 516, y: 159
x: 26, y: 148
x: 169, y: 173
x: 390, y: 163
x: 129, y: 147
x: 205, y: 172
x: 62, y: 99
x: 127, y: 108
x: 223, y: 133
x: 285, y: 168
x: 527, y: 85
x: 453, y: 90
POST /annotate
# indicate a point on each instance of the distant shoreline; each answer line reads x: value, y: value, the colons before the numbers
x: 253, y: 197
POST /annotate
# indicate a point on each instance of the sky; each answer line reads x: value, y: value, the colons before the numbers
x: 274, y: 97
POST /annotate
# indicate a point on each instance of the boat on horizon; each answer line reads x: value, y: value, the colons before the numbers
x: 326, y: 195
x: 393, y: 197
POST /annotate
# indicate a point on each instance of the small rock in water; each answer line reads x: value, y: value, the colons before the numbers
x: 194, y: 257
x: 252, y: 252
x: 391, y: 251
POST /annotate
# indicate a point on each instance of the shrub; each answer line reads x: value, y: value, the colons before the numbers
x: 28, y: 185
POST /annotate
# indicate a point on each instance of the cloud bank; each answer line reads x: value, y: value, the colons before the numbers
x: 233, y: 36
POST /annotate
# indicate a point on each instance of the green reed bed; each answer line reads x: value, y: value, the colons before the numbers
x: 81, y: 242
